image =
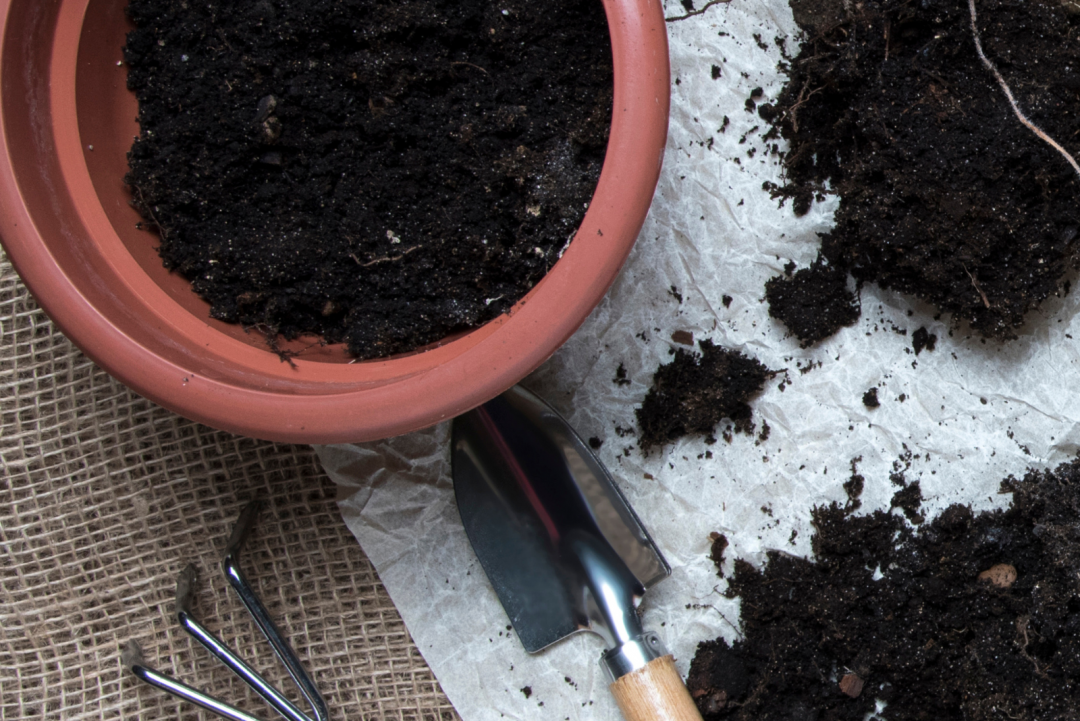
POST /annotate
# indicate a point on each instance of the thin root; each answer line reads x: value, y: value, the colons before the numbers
x: 975, y: 283
x: 471, y: 65
x: 1022, y: 630
x: 383, y: 259
x: 161, y: 229
x: 800, y: 101
x: 1008, y: 93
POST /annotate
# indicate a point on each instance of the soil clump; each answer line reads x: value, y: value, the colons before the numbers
x: 381, y: 174
x: 812, y: 302
x: 695, y: 391
x: 969, y: 616
x: 944, y: 194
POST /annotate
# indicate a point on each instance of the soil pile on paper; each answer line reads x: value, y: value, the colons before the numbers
x: 694, y: 392
x: 964, y: 617
x: 945, y: 195
x: 383, y: 174
x: 813, y: 302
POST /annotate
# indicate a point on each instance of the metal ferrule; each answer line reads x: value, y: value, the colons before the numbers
x: 632, y: 655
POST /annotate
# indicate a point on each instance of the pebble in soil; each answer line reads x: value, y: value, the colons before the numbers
x: 383, y: 174
x: 944, y: 194
x: 968, y: 616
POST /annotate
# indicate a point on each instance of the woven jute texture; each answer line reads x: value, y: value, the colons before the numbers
x: 105, y: 497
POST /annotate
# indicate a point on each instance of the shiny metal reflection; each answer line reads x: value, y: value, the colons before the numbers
x: 559, y: 543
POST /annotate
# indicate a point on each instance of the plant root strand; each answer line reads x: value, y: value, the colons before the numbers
x: 1008, y: 93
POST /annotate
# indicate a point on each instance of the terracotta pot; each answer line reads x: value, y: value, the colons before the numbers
x: 67, y: 123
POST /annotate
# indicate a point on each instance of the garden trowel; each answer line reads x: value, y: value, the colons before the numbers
x: 561, y: 546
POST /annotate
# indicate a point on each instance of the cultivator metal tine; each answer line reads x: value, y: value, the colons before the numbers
x: 185, y: 590
x: 132, y: 658
x: 259, y: 614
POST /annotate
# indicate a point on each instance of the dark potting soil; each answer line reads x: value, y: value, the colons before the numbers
x: 380, y: 173
x: 694, y: 392
x: 972, y: 616
x: 813, y: 303
x: 944, y: 194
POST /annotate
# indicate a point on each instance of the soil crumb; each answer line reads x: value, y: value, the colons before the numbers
x: 812, y: 302
x: 944, y: 194
x: 380, y: 174
x: 967, y: 616
x: 923, y: 339
x: 716, y: 550
x: 870, y: 399
x: 854, y: 486
x: 694, y: 392
x: 909, y: 500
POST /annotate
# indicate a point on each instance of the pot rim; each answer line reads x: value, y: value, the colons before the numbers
x: 246, y: 390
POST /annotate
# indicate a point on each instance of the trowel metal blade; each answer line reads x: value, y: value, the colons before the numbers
x: 531, y: 495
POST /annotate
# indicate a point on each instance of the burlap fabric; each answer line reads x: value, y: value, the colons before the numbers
x: 105, y: 497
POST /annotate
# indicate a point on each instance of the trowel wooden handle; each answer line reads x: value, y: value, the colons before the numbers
x: 655, y: 692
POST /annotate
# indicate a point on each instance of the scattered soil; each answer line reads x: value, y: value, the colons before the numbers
x: 853, y: 487
x: 966, y: 617
x: 383, y: 174
x: 812, y: 302
x: 694, y: 392
x: 923, y: 339
x: 945, y: 195
x: 909, y: 500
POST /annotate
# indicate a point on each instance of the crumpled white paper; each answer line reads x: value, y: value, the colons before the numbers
x: 964, y: 415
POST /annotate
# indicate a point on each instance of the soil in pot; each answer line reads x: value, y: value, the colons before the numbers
x: 380, y: 174
x: 945, y: 193
x: 968, y: 616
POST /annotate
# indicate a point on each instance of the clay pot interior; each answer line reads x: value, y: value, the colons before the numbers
x: 107, y: 136
x: 68, y: 122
